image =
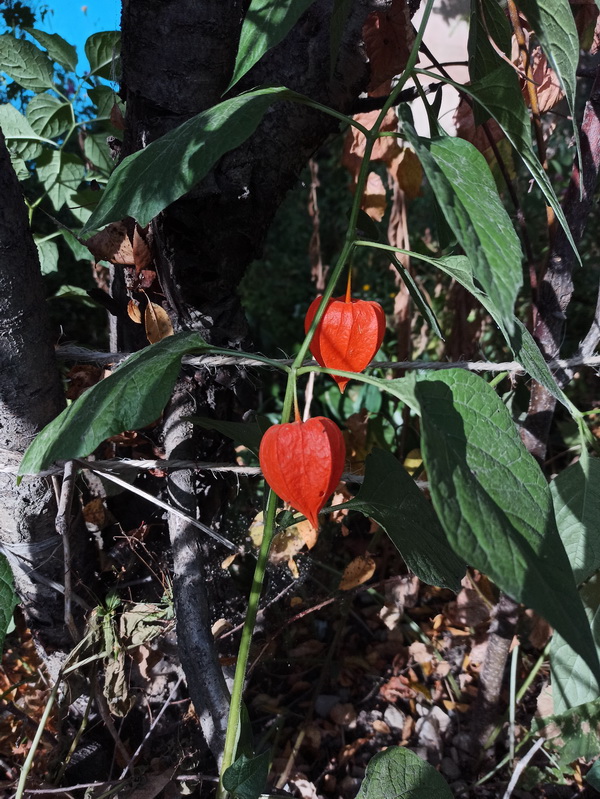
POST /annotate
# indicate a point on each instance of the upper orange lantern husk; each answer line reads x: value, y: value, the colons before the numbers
x: 303, y: 462
x: 348, y: 335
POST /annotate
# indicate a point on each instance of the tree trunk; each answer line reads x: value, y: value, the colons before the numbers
x: 30, y: 396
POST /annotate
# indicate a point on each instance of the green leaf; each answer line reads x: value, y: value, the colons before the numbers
x: 60, y: 173
x: 58, y: 49
x: 573, y: 683
x: 487, y: 20
x: 21, y: 139
x: 554, y: 26
x: 524, y: 348
x: 19, y: 166
x: 104, y: 98
x: 390, y: 496
x: 147, y: 181
x: 499, y: 93
x: 67, y: 292
x: 248, y: 434
x: 266, y: 23
x: 576, y: 496
x: 132, y: 397
x: 246, y: 777
x: 397, y: 773
x: 339, y: 15
x: 465, y: 189
x: 494, y: 503
x: 25, y: 63
x: 82, y: 204
x: 49, y: 116
x: 80, y: 252
x: 573, y: 734
x: 48, y: 255
x: 8, y: 598
x: 593, y: 776
x: 97, y: 151
x: 102, y: 51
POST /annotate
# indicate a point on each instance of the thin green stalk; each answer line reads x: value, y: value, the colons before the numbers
x: 512, y: 705
x: 235, y: 707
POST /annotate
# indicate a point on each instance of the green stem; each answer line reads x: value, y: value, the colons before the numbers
x: 235, y: 707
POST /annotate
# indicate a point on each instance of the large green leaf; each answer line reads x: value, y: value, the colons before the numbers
x: 488, y: 23
x: 554, y: 25
x: 147, y: 181
x: 494, y: 503
x: 25, y: 63
x: 397, y: 773
x: 247, y: 777
x: 133, y: 396
x: 576, y: 496
x: 8, y: 598
x: 573, y: 734
x: 60, y: 173
x: 58, y: 49
x: 499, y: 94
x: 573, y: 682
x: 465, y: 189
x: 266, y: 23
x: 49, y: 116
x: 389, y: 495
x: 102, y: 51
x: 21, y: 138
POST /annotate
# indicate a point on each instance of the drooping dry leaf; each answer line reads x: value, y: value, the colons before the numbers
x: 112, y: 244
x: 229, y: 560
x: 357, y: 572
x: 548, y: 89
x: 374, y: 200
x: 134, y: 312
x: 116, y: 117
x: 388, y: 37
x: 385, y: 149
x: 157, y: 323
x: 115, y: 688
x: 407, y: 170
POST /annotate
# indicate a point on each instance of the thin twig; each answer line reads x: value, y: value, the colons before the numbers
x: 92, y: 356
x: 522, y: 766
x: 135, y: 755
x: 63, y: 528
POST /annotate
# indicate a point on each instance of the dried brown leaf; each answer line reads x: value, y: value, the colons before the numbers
x: 157, y: 323
x: 112, y: 244
x: 357, y: 572
x: 374, y: 200
x: 388, y: 36
x: 407, y: 170
x: 134, y: 312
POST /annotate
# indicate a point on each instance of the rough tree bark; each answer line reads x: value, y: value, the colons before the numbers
x: 177, y: 61
x: 31, y: 395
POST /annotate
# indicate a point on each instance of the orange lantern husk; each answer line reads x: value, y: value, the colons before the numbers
x: 348, y: 336
x: 303, y: 462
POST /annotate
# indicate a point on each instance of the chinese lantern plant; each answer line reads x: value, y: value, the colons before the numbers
x: 348, y: 335
x: 303, y: 462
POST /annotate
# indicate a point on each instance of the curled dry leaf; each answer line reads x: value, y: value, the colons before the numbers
x: 157, y: 323
x: 357, y: 572
x: 134, y: 312
x: 548, y: 89
x: 388, y: 36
